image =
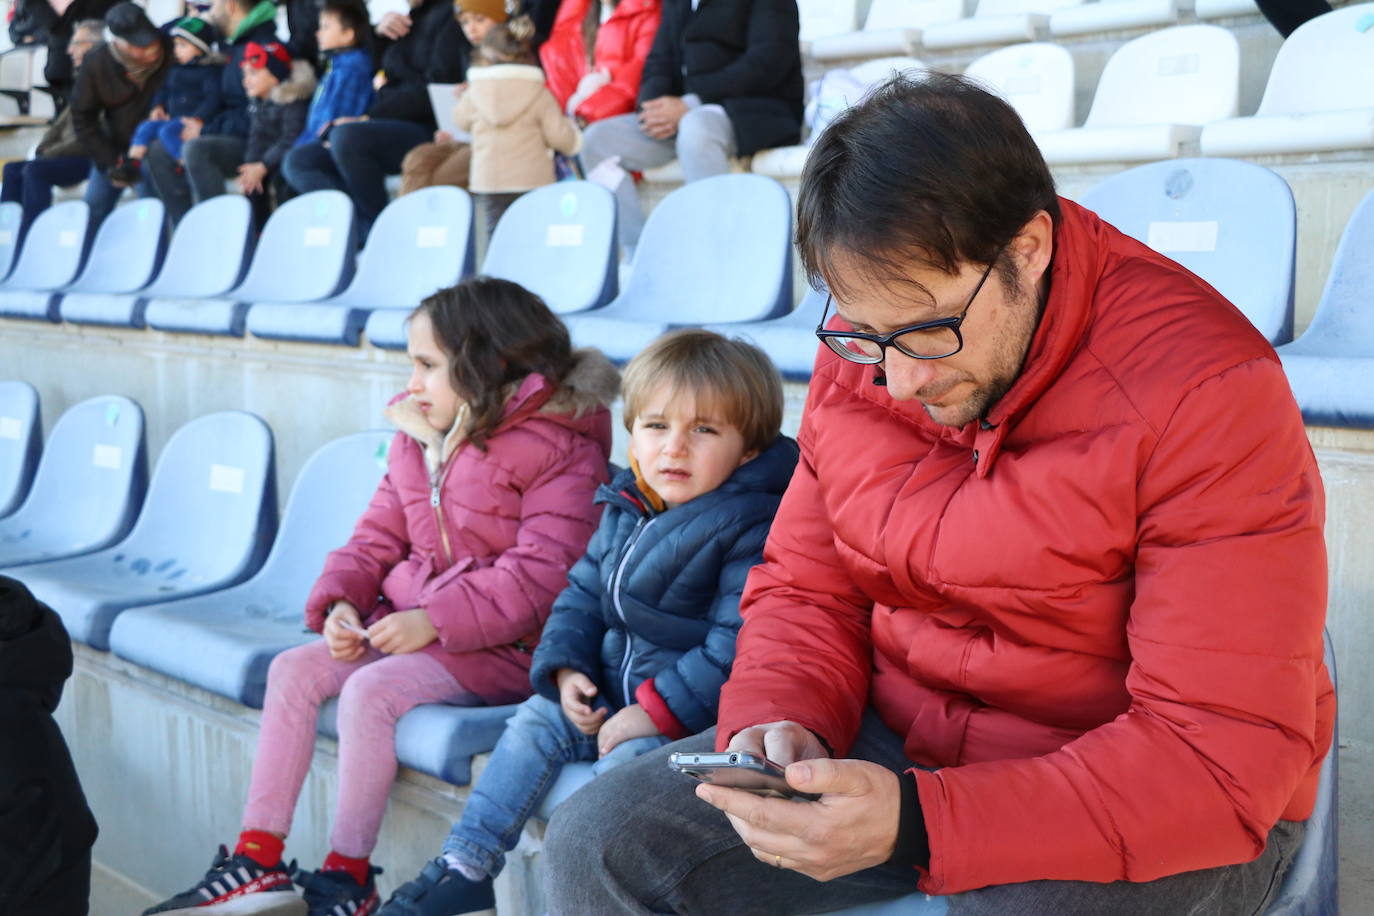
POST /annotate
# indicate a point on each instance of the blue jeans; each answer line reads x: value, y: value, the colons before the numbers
x: 101, y: 197
x: 537, y: 742
x: 356, y: 160
x: 30, y: 183
x: 168, y: 131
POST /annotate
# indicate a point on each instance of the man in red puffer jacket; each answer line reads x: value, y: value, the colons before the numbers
x: 1056, y: 525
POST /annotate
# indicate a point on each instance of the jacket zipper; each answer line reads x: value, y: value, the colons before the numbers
x: 640, y: 527
x: 435, y: 482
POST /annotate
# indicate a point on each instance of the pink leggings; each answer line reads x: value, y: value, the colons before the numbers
x: 373, y: 693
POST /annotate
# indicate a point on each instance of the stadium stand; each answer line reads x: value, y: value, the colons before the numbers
x: 10, y: 214
x: 790, y: 341
x: 822, y: 18
x: 124, y: 258
x: 50, y: 258
x: 1037, y: 78
x: 995, y: 22
x: 891, y: 27
x: 21, y: 442
x: 1109, y: 15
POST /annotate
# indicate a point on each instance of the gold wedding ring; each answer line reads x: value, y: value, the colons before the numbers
x: 777, y: 861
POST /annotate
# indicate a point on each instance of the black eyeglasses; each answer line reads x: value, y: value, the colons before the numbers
x: 927, y: 340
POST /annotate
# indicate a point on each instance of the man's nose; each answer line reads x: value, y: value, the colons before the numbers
x: 907, y: 375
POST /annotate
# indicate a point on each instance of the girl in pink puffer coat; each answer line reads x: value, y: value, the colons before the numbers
x: 441, y: 592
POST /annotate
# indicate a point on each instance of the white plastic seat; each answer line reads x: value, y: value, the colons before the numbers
x: 1155, y: 94
x: 1220, y: 9
x: 996, y: 22
x: 1111, y: 15
x: 1037, y: 78
x: 821, y: 18
x: 1320, y: 94
x: 891, y: 27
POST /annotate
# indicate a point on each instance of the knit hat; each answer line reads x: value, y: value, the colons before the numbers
x: 492, y: 9
x: 195, y: 30
x: 272, y: 55
x: 129, y: 22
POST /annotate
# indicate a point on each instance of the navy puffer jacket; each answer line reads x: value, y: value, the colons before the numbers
x: 652, y: 610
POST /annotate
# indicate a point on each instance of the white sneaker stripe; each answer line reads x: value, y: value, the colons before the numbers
x: 230, y: 881
x: 244, y: 875
x: 207, y: 893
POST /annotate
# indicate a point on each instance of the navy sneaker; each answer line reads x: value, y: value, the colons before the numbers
x: 337, y: 893
x: 442, y: 891
x: 234, y: 884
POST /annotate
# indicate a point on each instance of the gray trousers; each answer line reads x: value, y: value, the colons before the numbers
x: 210, y: 161
x: 704, y: 144
x: 637, y: 840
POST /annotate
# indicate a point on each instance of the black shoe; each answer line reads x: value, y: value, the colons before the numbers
x: 225, y: 886
x: 337, y: 893
x: 442, y: 891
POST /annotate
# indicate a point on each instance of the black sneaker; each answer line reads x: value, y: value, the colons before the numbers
x: 442, y: 891
x: 337, y: 893
x: 234, y: 884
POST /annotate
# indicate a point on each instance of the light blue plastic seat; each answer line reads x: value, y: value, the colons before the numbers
x: 21, y: 442
x: 1331, y: 366
x: 790, y: 341
x: 305, y: 254
x: 10, y: 215
x: 206, y: 525
x: 1232, y: 223
x: 557, y: 241
x: 89, y: 485
x: 224, y: 641
x: 124, y: 257
x: 715, y: 250
x: 420, y: 243
x: 51, y: 257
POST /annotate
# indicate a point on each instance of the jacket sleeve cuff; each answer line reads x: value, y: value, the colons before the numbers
x: 913, y: 843
x: 646, y: 695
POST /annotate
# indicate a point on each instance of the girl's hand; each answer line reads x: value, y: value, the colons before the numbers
x: 402, y: 632
x: 630, y: 722
x: 575, y: 694
x: 443, y: 136
x: 344, y: 645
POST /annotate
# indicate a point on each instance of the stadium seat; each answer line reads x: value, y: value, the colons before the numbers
x: 1111, y: 15
x: 50, y: 258
x: 10, y: 215
x: 420, y: 243
x: 124, y: 258
x: 1331, y: 366
x: 790, y: 341
x: 305, y: 253
x: 21, y: 442
x: 891, y: 27
x: 207, y: 257
x: 823, y: 18
x: 719, y: 249
x: 1155, y: 93
x: 995, y: 22
x: 88, y: 488
x: 224, y: 641
x: 1320, y: 94
x: 558, y: 241
x: 1037, y: 78
x: 1232, y: 223
x: 1222, y: 9
x: 206, y: 524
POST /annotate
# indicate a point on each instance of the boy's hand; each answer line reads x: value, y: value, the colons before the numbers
x: 575, y: 694
x: 137, y: 151
x: 630, y: 722
x: 443, y: 136
x: 251, y: 176
x: 402, y: 632
x: 157, y: 114
x: 190, y: 128
x: 344, y: 645
x: 394, y: 26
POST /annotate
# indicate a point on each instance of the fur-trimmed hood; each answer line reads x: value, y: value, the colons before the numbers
x: 299, y: 85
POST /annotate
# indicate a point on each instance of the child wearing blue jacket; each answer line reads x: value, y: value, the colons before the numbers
x: 345, y: 90
x: 191, y: 91
x: 640, y: 642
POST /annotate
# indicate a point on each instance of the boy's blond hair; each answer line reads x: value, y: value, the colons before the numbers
x: 734, y: 378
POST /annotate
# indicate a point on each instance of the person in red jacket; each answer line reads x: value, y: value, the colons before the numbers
x: 609, y: 85
x: 1040, y: 617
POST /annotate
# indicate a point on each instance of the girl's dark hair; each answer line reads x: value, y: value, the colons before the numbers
x: 510, y: 42
x: 495, y: 333
x: 352, y: 14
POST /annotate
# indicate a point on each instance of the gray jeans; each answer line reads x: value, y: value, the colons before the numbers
x: 210, y: 161
x: 685, y: 858
x: 704, y: 143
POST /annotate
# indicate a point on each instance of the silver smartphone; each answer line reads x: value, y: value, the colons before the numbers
x: 738, y: 770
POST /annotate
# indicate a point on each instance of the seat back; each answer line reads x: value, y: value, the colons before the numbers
x: 53, y: 248
x: 209, y: 251
x: 16, y: 68
x: 1344, y: 323
x: 1232, y: 223
x: 719, y: 249
x: 1327, y: 64
x: 93, y: 474
x: 305, y: 251
x: 420, y: 243
x: 125, y: 253
x: 21, y: 442
x: 1188, y: 74
x: 559, y: 241
x: 913, y: 14
x: 10, y: 214
x: 988, y: 8
x: 820, y: 18
x: 1037, y: 78
x: 211, y: 506
x: 882, y: 69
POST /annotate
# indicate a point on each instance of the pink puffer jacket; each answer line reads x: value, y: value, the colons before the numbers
x: 487, y: 547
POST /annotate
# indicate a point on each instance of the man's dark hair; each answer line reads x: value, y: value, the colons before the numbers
x: 931, y: 169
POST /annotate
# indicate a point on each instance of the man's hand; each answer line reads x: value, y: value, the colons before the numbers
x: 852, y: 826
x: 251, y: 175
x: 402, y: 632
x: 344, y: 645
x: 394, y: 26
x: 575, y: 694
x: 659, y: 117
x: 630, y: 722
x: 781, y: 742
x: 190, y: 128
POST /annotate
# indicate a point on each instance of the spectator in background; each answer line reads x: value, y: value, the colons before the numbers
x: 53, y: 22
x: 723, y: 79
x: 46, y: 827
x: 191, y: 92
x: 221, y: 139
x: 60, y: 160
x: 345, y: 92
x: 114, y: 91
x: 1287, y: 15
x: 279, y: 89
x: 594, y: 58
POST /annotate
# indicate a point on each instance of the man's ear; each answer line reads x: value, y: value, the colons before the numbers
x: 1033, y: 246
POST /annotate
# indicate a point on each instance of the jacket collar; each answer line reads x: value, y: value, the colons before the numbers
x: 769, y: 472
x: 266, y: 11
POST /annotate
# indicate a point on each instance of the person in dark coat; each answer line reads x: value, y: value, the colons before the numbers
x: 191, y: 91
x: 46, y: 827
x: 280, y: 90
x: 38, y: 22
x: 723, y: 79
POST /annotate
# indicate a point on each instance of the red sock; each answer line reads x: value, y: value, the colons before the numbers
x: 260, y: 846
x: 358, y: 868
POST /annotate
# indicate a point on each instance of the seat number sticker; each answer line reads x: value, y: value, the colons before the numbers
x: 107, y: 456
x: 1166, y: 237
x: 10, y: 428
x: 563, y: 235
x: 226, y: 479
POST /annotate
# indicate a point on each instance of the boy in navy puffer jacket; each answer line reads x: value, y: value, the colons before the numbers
x: 640, y: 642
x: 191, y: 91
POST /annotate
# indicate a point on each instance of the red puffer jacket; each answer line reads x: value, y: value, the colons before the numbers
x: 1099, y: 612
x: 486, y: 562
x: 622, y: 43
